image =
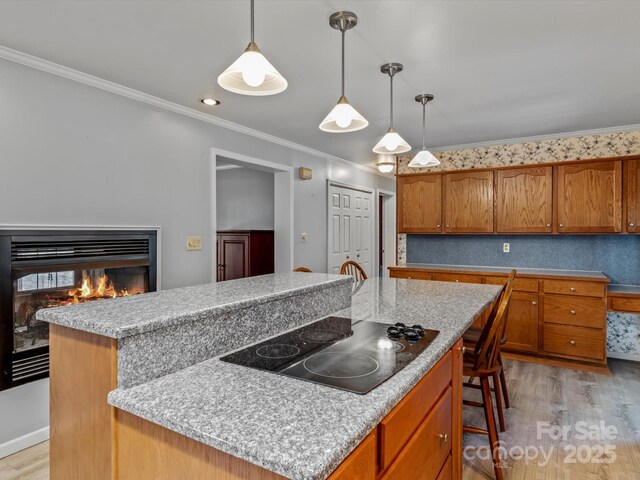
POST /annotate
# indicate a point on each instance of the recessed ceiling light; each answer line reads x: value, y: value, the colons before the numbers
x: 210, y: 101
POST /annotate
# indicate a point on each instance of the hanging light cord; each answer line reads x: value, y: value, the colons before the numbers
x: 252, y: 39
x: 424, y: 108
x: 343, y: 31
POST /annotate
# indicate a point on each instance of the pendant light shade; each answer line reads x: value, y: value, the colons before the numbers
x: 251, y: 73
x: 343, y: 117
x: 392, y: 142
x: 424, y: 158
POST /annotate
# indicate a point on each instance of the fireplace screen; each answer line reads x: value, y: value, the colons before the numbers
x: 34, y: 291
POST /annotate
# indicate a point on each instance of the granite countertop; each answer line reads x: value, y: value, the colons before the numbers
x: 617, y: 289
x: 126, y: 316
x: 534, y: 272
x: 295, y: 428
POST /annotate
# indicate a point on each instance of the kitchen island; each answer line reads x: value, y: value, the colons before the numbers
x: 216, y: 418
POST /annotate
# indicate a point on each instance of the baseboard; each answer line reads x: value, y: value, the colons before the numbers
x: 25, y: 441
x: 624, y: 356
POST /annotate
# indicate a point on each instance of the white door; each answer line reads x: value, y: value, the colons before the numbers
x: 350, y: 228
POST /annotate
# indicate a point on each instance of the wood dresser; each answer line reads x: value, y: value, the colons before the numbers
x: 555, y: 319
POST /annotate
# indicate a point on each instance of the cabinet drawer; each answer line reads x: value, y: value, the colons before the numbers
x: 454, y: 277
x: 446, y: 473
x: 622, y: 304
x: 361, y: 464
x: 410, y: 274
x: 580, y: 311
x: 520, y: 284
x: 398, y: 426
x: 570, y: 287
x: 428, y: 449
x: 575, y: 342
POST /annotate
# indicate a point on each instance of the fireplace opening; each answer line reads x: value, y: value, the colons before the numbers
x: 50, y: 269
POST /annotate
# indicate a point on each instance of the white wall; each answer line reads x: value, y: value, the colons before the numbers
x: 244, y: 199
x: 76, y: 155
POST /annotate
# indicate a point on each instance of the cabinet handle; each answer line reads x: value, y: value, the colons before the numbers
x: 632, y: 224
x: 447, y: 226
x: 534, y: 303
x: 463, y: 349
x: 444, y: 437
x: 562, y: 225
x: 572, y: 342
x: 409, y: 277
x: 457, y: 281
x: 573, y: 312
x: 573, y: 289
x: 438, y: 226
x: 548, y: 225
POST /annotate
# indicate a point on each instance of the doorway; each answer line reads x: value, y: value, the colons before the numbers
x: 350, y: 227
x: 386, y: 210
x: 280, y: 216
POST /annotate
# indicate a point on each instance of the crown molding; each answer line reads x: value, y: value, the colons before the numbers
x: 97, y: 82
x: 539, y: 138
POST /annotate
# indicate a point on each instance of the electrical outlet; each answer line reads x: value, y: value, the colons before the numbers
x: 505, y: 247
x: 304, y: 237
x: 194, y: 243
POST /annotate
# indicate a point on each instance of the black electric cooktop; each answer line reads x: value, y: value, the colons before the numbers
x: 333, y: 352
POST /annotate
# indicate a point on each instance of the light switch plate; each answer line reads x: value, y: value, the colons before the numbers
x: 194, y: 243
x: 304, y: 237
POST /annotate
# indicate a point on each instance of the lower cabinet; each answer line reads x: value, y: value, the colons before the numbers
x: 522, y: 323
x: 559, y: 319
x: 421, y: 438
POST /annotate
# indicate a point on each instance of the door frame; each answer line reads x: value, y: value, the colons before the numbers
x: 389, y: 225
x: 374, y: 217
x: 283, y: 206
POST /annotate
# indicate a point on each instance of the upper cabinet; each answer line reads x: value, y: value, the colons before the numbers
x: 420, y: 204
x: 468, y: 202
x: 589, y: 197
x: 632, y: 189
x: 524, y: 200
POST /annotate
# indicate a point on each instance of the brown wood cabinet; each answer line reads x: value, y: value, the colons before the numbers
x: 589, y: 197
x: 244, y: 253
x: 522, y: 322
x: 524, y: 200
x: 560, y: 320
x: 632, y: 195
x: 420, y: 204
x: 468, y: 202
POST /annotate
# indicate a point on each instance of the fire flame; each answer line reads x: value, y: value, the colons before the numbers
x: 104, y: 289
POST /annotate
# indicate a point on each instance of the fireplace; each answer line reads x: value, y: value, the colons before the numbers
x: 43, y: 269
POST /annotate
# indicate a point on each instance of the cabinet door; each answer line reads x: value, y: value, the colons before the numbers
x: 420, y: 204
x: 235, y: 256
x: 522, y: 322
x: 468, y: 202
x: 524, y: 200
x: 590, y: 197
x: 632, y: 188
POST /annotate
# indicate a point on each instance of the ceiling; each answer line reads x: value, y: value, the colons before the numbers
x: 498, y: 69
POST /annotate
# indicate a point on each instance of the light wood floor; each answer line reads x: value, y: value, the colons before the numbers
x: 538, y: 394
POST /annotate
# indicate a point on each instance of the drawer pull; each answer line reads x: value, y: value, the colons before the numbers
x: 438, y: 226
x: 632, y: 224
x: 457, y: 281
x: 573, y: 312
x: 447, y: 226
x: 573, y: 289
x: 444, y: 437
x: 548, y: 225
x: 534, y: 303
x: 408, y: 277
x: 562, y: 225
x: 463, y: 350
x: 572, y: 342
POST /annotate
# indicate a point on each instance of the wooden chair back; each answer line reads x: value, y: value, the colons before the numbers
x: 354, y: 269
x: 302, y: 269
x: 488, y: 345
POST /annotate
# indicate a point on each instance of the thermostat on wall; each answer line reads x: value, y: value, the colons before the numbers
x: 305, y: 173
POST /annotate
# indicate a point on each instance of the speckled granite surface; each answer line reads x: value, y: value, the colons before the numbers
x: 126, y: 316
x: 521, y: 271
x: 212, y: 333
x: 299, y: 429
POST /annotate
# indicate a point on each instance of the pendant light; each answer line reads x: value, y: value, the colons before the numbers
x: 343, y: 117
x: 424, y: 158
x: 387, y: 163
x: 251, y: 73
x: 391, y: 142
